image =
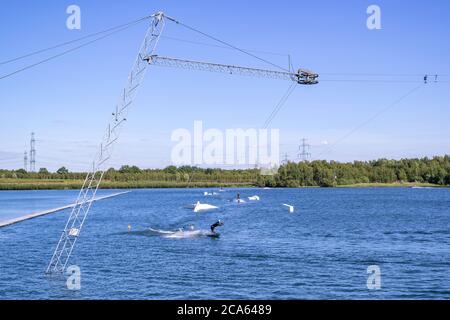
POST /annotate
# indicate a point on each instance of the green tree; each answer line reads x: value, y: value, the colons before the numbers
x: 171, y: 169
x: 129, y: 169
x: 62, y: 170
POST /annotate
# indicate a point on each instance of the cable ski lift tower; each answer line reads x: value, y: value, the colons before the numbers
x: 90, y: 186
x: 145, y: 57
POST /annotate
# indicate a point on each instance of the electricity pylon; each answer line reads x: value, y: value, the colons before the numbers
x: 304, y: 154
x: 32, y: 153
x: 25, y: 161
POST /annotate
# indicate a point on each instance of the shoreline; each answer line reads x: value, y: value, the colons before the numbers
x: 71, y: 185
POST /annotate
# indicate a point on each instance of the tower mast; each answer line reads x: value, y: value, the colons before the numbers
x: 32, y: 153
x: 74, y: 224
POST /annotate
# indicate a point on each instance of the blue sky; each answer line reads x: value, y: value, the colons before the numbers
x: 67, y: 101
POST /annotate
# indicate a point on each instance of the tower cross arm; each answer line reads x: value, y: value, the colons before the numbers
x: 302, y: 76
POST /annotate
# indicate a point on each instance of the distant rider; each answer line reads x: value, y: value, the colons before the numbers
x: 215, y: 225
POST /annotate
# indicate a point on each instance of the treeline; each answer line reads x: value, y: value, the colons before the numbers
x: 332, y: 173
x: 316, y: 173
x: 183, y: 176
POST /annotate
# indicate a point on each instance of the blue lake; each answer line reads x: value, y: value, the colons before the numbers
x: 321, y: 251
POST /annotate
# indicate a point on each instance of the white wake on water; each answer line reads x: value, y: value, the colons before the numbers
x: 184, y: 233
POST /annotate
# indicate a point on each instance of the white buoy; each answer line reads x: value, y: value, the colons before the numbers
x: 291, y: 208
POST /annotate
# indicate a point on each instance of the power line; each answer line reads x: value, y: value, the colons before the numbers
x: 279, y: 105
x: 285, y: 96
x: 71, y: 41
x: 227, y: 44
x: 376, y: 115
x: 222, y: 47
x: 282, y: 68
x: 385, y: 74
x: 67, y: 51
x: 370, y: 80
x: 379, y: 81
x: 10, y: 158
x: 386, y: 78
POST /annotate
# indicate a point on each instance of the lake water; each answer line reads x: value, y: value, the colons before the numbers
x: 321, y: 251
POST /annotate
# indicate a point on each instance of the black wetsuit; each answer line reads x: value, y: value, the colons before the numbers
x: 215, y: 225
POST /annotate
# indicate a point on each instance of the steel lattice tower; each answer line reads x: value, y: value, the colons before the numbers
x: 304, y: 154
x: 90, y: 186
x: 286, y: 159
x: 32, y: 153
x: 25, y: 161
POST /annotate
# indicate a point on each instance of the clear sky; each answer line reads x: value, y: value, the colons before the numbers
x: 66, y: 102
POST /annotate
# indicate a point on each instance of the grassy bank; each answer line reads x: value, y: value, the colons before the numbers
x: 424, y: 172
x: 64, y: 184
